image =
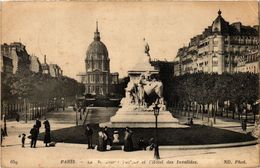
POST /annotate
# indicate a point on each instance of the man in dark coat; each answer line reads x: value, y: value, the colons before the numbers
x: 5, y: 128
x: 38, y: 124
x: 2, y: 135
x: 244, y: 125
x: 89, y: 133
x: 34, y: 135
x: 128, y: 142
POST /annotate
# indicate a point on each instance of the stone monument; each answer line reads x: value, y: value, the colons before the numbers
x: 135, y: 111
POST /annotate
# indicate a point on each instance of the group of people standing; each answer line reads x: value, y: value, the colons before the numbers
x: 36, y: 130
x: 105, y: 139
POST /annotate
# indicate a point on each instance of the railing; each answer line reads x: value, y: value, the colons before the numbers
x: 86, y: 117
x: 26, y: 111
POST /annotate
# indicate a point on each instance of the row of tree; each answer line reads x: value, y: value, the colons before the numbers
x: 37, y: 87
x: 203, y: 90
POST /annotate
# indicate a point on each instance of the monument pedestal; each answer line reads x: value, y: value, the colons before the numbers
x: 134, y: 112
x: 142, y: 119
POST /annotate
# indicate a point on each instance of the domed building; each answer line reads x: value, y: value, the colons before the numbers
x: 98, y: 80
x: 221, y: 47
x: 220, y: 26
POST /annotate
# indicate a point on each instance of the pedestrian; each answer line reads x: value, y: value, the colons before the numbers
x: 151, y: 144
x: 2, y: 135
x: 34, y: 135
x: 211, y: 122
x: 116, y: 137
x: 46, y: 124
x: 38, y: 124
x: 75, y: 107
x: 47, y: 136
x: 109, y: 139
x: 141, y: 144
x: 188, y: 121
x: 89, y: 134
x: 5, y: 128
x: 191, y: 121
x: 23, y: 139
x: 128, y: 143
x: 244, y: 125
x: 101, y: 141
x: 17, y: 118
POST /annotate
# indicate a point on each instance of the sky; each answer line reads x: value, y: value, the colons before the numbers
x: 63, y: 30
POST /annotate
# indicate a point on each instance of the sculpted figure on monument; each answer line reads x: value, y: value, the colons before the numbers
x: 149, y: 87
x: 145, y: 92
x: 144, y: 88
x: 146, y: 48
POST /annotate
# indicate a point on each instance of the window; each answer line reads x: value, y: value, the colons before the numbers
x: 101, y: 90
x: 97, y: 89
x: 92, y: 78
x: 215, y: 43
x: 92, y: 89
x: 215, y: 63
x: 99, y: 64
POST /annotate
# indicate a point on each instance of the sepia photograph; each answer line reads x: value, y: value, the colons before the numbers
x: 129, y: 84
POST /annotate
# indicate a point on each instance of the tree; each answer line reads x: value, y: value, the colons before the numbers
x: 214, y: 89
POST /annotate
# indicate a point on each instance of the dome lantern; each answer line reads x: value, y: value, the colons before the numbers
x: 97, y: 34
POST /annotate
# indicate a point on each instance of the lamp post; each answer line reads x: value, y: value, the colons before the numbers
x: 76, y: 110
x: 54, y: 103
x: 156, y: 111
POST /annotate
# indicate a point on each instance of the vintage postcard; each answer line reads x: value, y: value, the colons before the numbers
x: 130, y: 84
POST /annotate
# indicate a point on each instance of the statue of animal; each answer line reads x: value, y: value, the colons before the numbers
x: 149, y: 88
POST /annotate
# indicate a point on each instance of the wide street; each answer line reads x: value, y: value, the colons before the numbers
x: 76, y: 155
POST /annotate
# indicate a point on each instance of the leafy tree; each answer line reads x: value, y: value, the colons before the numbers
x: 213, y: 89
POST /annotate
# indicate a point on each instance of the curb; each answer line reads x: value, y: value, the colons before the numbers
x: 227, y: 145
x: 188, y: 147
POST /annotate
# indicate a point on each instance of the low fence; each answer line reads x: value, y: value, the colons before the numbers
x: 249, y: 115
x: 26, y: 111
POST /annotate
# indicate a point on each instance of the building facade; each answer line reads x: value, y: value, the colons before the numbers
x: 14, y: 57
x: 248, y: 63
x: 98, y: 80
x: 35, y: 65
x: 6, y: 60
x: 220, y: 48
x: 55, y: 70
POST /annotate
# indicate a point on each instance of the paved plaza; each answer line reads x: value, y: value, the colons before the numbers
x: 77, y: 155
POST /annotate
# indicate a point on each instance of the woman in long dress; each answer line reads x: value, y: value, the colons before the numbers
x: 128, y: 142
x: 47, y: 136
x: 101, y: 141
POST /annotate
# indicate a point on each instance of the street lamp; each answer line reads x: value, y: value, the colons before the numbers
x: 156, y: 111
x: 54, y: 103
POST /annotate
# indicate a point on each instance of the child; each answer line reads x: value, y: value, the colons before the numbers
x: 141, y: 144
x: 23, y: 140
